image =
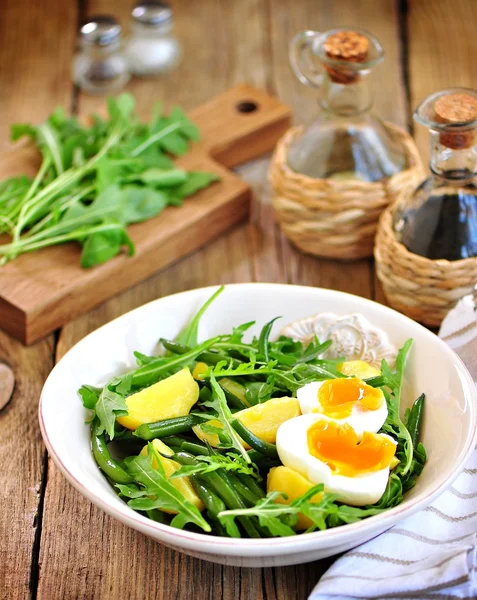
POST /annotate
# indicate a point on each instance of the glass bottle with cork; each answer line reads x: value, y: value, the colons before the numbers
x: 347, y: 141
x: 440, y: 220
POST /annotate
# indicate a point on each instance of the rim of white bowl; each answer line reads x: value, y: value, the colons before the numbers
x: 256, y: 547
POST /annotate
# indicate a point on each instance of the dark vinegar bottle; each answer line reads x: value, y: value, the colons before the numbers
x: 440, y: 222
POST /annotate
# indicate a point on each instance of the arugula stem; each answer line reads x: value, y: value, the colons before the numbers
x: 156, y: 137
x: 45, y: 165
x: 28, y: 246
x: 40, y: 224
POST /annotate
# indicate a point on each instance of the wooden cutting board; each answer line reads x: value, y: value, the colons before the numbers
x: 41, y: 291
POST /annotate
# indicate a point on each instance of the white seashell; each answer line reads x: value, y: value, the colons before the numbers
x: 353, y: 336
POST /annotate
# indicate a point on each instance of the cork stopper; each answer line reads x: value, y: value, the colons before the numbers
x: 453, y: 109
x: 348, y: 46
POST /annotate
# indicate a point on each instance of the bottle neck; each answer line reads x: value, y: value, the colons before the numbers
x: 450, y: 164
x: 346, y: 100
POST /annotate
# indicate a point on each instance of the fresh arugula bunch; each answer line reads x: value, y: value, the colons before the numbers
x: 94, y: 181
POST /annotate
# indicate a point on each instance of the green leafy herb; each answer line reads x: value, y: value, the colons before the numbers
x: 94, y: 181
x: 109, y: 406
x: 280, y: 518
x: 394, y: 425
x: 218, y: 403
x: 188, y: 337
x: 156, y: 491
x: 215, y: 462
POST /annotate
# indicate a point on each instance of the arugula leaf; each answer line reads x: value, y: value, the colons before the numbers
x: 394, y: 425
x: 195, y: 181
x: 160, y: 493
x: 89, y: 395
x: 215, y: 462
x: 257, y: 392
x: 102, y: 246
x: 189, y: 335
x: 224, y: 369
x: 219, y: 404
x: 167, y: 365
x: 130, y: 490
x: 263, y: 339
x: 109, y: 406
x: 280, y: 518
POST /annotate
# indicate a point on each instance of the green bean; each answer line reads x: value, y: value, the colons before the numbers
x: 105, y: 462
x: 173, y: 440
x: 254, y: 441
x: 195, y: 449
x: 414, y: 421
x: 211, y: 501
x: 376, y: 381
x: 263, y: 462
x: 252, y: 484
x: 124, y: 436
x: 224, y: 490
x: 166, y: 427
x: 245, y: 493
x: 233, y: 400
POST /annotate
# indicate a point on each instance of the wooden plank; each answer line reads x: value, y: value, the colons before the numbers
x: 34, y: 63
x: 43, y: 290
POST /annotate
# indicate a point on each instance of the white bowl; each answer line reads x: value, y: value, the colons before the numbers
x: 449, y: 432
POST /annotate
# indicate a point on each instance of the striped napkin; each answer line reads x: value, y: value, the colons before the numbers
x: 432, y: 554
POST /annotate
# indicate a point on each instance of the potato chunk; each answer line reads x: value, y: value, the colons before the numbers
x: 262, y: 419
x: 182, y: 484
x: 294, y: 485
x: 166, y: 399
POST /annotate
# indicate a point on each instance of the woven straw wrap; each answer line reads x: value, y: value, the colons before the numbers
x: 336, y: 219
x: 419, y: 287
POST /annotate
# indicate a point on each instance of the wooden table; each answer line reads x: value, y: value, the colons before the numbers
x: 54, y: 543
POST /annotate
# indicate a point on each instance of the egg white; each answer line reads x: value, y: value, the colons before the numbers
x: 361, y: 419
x: 292, y: 447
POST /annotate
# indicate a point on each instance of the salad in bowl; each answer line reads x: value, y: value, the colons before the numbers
x: 241, y: 437
x: 255, y: 439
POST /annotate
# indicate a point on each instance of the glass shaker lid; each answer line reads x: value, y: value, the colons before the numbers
x: 101, y: 30
x: 152, y: 14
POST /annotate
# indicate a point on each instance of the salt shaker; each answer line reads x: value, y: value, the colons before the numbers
x: 152, y: 48
x: 100, y: 66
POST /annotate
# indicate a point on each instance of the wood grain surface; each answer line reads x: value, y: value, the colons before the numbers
x: 34, y: 75
x: 43, y: 290
x: 84, y: 554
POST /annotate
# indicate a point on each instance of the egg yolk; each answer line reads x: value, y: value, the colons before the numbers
x: 338, y: 446
x: 338, y: 396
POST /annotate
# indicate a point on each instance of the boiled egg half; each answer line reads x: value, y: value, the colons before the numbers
x: 330, y: 452
x: 346, y: 400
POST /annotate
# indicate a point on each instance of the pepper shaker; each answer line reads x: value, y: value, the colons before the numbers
x: 100, y: 66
